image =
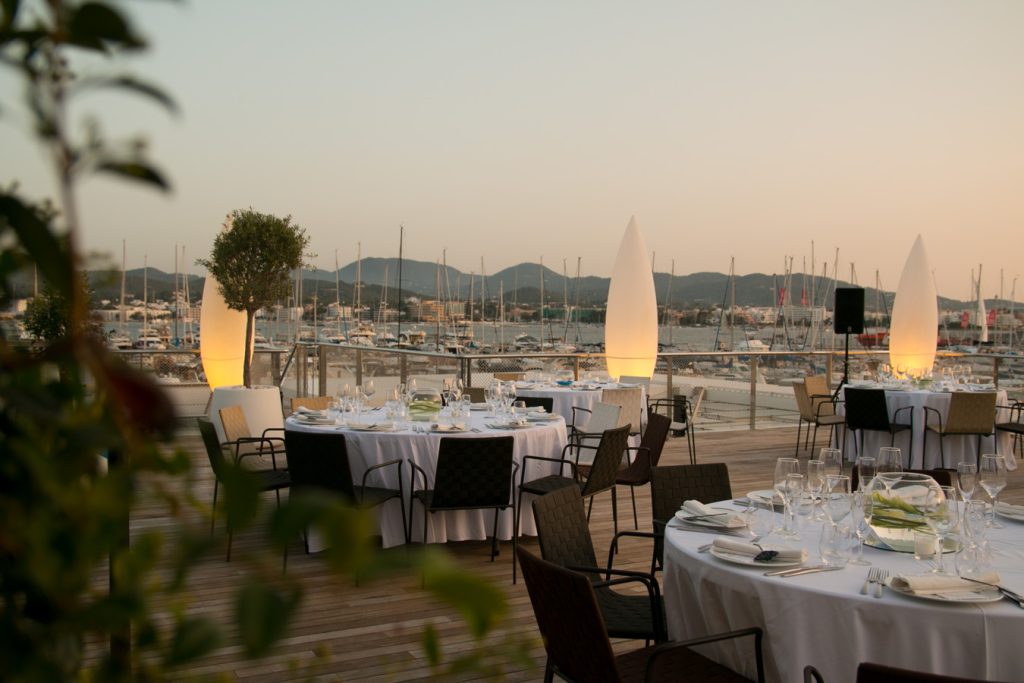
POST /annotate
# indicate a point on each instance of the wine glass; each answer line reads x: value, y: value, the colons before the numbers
x: 493, y: 396
x: 794, y: 489
x: 369, y: 389
x: 866, y: 469
x: 411, y: 388
x: 889, y: 461
x: 837, y: 502
x: 941, y: 513
x: 815, y: 484
x: 861, y: 510
x: 508, y: 393
x: 966, y: 479
x: 783, y: 468
x: 992, y: 478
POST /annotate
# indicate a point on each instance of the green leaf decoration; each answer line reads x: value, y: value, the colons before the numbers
x: 134, y: 170
x: 96, y: 25
x: 193, y: 637
x: 431, y: 645
x: 263, y: 614
x: 480, y: 602
x: 48, y: 252
x: 130, y: 84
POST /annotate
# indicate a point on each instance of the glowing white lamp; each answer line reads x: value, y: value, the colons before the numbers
x: 221, y: 338
x: 913, y: 333
x: 631, y: 321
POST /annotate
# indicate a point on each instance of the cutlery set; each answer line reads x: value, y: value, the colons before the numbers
x: 800, y: 571
x: 1006, y: 592
x: 877, y: 577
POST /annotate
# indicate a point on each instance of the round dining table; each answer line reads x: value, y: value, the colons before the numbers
x: 579, y: 394
x: 368, y: 444
x: 822, y: 619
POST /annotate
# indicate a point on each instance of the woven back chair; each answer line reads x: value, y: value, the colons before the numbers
x: 1013, y: 424
x: 476, y: 394
x: 816, y: 408
x: 867, y: 410
x: 575, y: 638
x: 471, y: 474
x: 510, y: 376
x: 545, y: 402
x: 603, y: 416
x: 237, y: 432
x: 311, y: 402
x: 970, y: 414
x: 266, y: 480
x: 681, y: 411
x: 638, y: 472
x: 630, y: 402
x: 671, y: 486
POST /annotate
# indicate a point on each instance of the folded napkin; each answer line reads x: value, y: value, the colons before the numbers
x: 751, y: 550
x: 309, y: 412
x: 1010, y: 509
x: 478, y: 406
x: 933, y: 584
x: 694, y: 508
x: 439, y: 427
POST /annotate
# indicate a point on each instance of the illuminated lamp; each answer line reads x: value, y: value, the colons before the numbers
x: 221, y: 338
x: 631, y: 320
x: 913, y: 332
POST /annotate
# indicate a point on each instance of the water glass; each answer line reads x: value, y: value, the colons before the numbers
x: 815, y: 484
x: 760, y: 518
x: 942, y: 513
x: 837, y: 499
x: 925, y: 545
x: 861, y: 519
x: 966, y: 479
x: 793, y: 491
x: 974, y: 518
x: 866, y: 470
x: 835, y: 545
x: 992, y: 478
x: 833, y: 459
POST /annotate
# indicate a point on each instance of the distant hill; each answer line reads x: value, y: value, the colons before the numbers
x: 519, y: 283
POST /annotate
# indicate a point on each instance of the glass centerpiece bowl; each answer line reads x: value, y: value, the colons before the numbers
x: 900, y: 505
x: 425, y: 405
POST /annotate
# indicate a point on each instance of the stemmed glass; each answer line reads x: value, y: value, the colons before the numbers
x: 966, y: 479
x: 861, y: 510
x: 837, y: 502
x: 889, y: 461
x: 941, y: 513
x: 783, y: 468
x: 992, y: 478
x: 369, y: 389
x: 794, y: 490
x: 815, y: 483
x: 508, y: 394
x: 866, y: 469
x: 494, y: 392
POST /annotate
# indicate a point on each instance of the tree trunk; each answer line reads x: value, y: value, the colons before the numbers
x: 250, y: 318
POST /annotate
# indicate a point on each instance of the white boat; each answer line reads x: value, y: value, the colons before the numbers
x: 149, y: 342
x: 362, y: 335
x: 119, y: 342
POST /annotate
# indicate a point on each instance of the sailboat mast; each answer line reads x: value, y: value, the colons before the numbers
x: 177, y: 300
x: 565, y: 300
x: 576, y: 305
x: 542, y: 303
x: 398, y: 304
x: 732, y: 300
x: 440, y: 309
x: 124, y: 257
x: 145, y: 295
x: 359, y: 282
x: 337, y: 291
x: 483, y: 287
x: 668, y: 296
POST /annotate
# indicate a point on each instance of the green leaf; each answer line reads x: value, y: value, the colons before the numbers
x: 42, y: 245
x: 431, y: 645
x: 133, y: 85
x: 134, y: 170
x: 94, y: 25
x: 10, y: 8
x: 480, y: 602
x: 193, y: 637
x: 263, y: 614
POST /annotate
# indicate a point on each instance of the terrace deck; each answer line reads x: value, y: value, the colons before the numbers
x: 373, y: 631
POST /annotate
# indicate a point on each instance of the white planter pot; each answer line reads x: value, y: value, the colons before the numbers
x: 261, y: 405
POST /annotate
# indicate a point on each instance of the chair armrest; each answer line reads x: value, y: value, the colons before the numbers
x: 562, y: 461
x: 237, y: 444
x: 928, y: 411
x: 613, y: 547
x: 653, y: 592
x: 666, y: 650
x: 896, y: 415
x: 378, y: 466
x: 413, y: 467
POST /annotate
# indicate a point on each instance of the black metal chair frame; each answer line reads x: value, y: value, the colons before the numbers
x: 607, y: 448
x: 268, y: 480
x: 1015, y: 426
x: 645, y: 456
x: 677, y: 409
x: 661, y: 477
x: 832, y: 419
x: 873, y: 424
x: 545, y: 402
x: 452, y: 448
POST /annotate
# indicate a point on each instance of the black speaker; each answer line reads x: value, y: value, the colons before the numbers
x: 849, y: 310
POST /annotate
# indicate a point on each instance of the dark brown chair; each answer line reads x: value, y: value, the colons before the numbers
x: 970, y: 414
x: 471, y: 474
x: 638, y: 472
x: 941, y: 477
x: 545, y: 402
x: 673, y: 485
x: 817, y: 407
x: 867, y: 410
x: 565, y: 540
x: 576, y: 640
x: 680, y: 413
x: 266, y: 480
x: 318, y: 461
x: 878, y: 673
x: 1015, y: 426
x: 603, y: 472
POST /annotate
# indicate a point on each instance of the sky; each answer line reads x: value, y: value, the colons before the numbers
x: 512, y: 131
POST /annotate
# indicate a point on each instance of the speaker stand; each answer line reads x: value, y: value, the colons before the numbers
x: 846, y: 366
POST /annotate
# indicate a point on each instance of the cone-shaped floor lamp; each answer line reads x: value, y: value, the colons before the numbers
x: 221, y: 338
x: 631, y: 321
x: 913, y: 333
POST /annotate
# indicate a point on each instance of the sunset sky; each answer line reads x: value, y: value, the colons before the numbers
x: 513, y: 131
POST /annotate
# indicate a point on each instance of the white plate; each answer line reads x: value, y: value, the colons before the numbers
x: 765, y: 496
x: 478, y: 406
x: 902, y: 541
x: 542, y: 417
x: 373, y: 428
x: 985, y: 595
x: 494, y: 425
x: 713, y: 522
x: 748, y: 561
x: 1008, y: 514
x: 313, y: 420
x: 450, y: 430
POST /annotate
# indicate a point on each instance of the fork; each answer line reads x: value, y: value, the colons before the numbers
x: 880, y: 578
x: 872, y: 577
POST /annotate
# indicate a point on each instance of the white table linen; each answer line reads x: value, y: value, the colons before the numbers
x: 956, y: 448
x: 368, y: 448
x: 580, y: 395
x: 823, y: 620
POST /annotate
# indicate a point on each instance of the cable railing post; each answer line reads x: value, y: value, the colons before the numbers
x: 754, y: 358
x: 321, y: 356
x: 402, y: 368
x: 576, y: 368
x: 359, y: 367
x: 995, y: 371
x: 668, y: 377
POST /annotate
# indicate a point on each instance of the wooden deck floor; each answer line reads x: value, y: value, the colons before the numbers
x: 372, y: 632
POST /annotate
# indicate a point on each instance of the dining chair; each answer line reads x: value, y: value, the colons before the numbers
x: 266, y: 480
x: 630, y: 402
x: 510, y: 376
x: 471, y: 474
x: 576, y: 640
x: 1015, y: 426
x: 603, y: 416
x: 237, y: 433
x: 545, y: 402
x: 680, y: 415
x: 564, y: 538
x: 673, y: 485
x: 476, y: 394
x: 867, y: 410
x: 603, y: 472
x: 319, y: 462
x: 311, y: 402
x: 969, y: 414
x: 645, y: 382
x: 816, y: 406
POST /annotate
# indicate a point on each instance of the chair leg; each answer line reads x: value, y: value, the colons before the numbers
x: 615, y: 511
x: 799, y: 424
x: 213, y: 510
x: 814, y: 441
x: 590, y: 508
x: 691, y: 435
x: 549, y: 672
x: 516, y: 508
x: 632, y: 495
x: 494, y: 535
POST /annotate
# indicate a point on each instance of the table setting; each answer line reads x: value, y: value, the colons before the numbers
x: 829, y: 610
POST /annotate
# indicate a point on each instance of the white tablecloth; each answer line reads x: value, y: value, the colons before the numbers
x: 564, y: 398
x: 821, y: 619
x: 367, y: 448
x: 956, y: 448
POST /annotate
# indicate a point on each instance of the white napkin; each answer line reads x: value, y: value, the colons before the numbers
x: 1010, y: 509
x: 694, y: 508
x: 932, y: 584
x: 309, y: 412
x: 751, y: 550
x: 440, y: 427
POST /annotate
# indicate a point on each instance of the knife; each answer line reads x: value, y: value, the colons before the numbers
x: 1007, y: 593
x: 800, y: 571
